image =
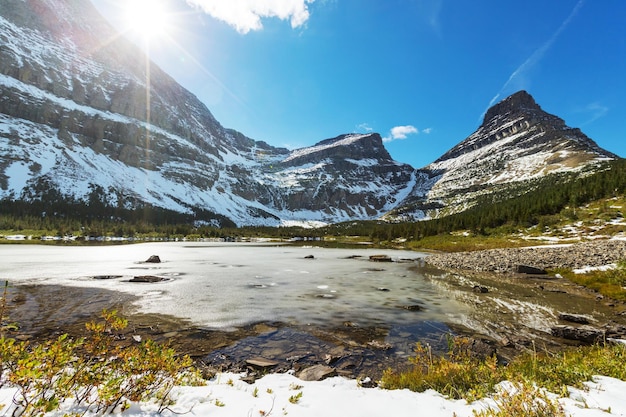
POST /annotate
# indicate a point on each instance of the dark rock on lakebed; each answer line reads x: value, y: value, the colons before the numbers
x: 261, y: 363
x: 105, y: 277
x: 380, y: 258
x: 412, y: 307
x: 317, y: 373
x: 147, y: 279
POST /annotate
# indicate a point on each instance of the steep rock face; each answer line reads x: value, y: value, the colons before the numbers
x: 516, y: 142
x: 350, y: 173
x: 82, y: 108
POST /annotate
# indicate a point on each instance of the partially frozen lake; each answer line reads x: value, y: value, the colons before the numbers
x: 224, y: 285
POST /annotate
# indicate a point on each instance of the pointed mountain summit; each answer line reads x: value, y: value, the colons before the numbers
x: 519, y: 122
x: 517, y: 142
x: 517, y: 102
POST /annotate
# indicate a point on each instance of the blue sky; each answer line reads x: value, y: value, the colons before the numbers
x: 419, y: 72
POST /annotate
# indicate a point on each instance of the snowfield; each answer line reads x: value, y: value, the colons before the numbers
x: 284, y: 394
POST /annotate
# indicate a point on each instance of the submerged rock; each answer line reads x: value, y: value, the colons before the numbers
x: 261, y: 363
x: 147, y: 278
x: 317, y: 373
x: 380, y: 258
x: 105, y: 277
x: 412, y: 307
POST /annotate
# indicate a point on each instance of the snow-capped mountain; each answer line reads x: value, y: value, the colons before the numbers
x: 516, y: 142
x: 78, y: 110
x: 82, y: 111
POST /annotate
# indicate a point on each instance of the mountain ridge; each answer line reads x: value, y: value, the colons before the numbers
x: 75, y: 116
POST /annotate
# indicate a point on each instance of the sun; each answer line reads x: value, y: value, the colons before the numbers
x: 147, y: 18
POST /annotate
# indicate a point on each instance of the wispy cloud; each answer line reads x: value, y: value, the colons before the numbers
x: 595, y: 111
x: 536, y: 56
x: 246, y: 15
x: 364, y: 127
x: 400, y: 133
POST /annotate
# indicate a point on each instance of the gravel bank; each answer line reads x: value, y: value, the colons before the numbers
x: 580, y: 255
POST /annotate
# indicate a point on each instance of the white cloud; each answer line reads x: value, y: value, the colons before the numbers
x: 246, y: 15
x: 400, y: 132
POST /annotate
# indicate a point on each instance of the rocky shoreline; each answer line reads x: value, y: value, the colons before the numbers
x: 575, y: 256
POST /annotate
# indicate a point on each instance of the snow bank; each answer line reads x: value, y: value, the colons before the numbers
x: 284, y: 394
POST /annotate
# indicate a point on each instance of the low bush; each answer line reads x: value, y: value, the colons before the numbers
x: 459, y: 374
x: 522, y: 400
x: 93, y: 373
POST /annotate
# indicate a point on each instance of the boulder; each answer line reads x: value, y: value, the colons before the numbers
x: 380, y: 258
x: 317, y: 373
x: 480, y: 289
x: 154, y: 259
x: 574, y: 318
x: 583, y: 334
x: 530, y: 270
x: 261, y: 363
x: 146, y: 278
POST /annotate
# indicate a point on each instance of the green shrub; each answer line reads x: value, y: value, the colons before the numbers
x: 522, y: 400
x: 459, y: 374
x: 95, y: 372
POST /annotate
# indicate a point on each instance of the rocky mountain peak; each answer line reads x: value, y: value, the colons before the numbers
x: 352, y: 146
x: 74, y: 123
x: 515, y: 103
x: 74, y: 126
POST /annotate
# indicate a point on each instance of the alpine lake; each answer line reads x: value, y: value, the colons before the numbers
x: 276, y: 307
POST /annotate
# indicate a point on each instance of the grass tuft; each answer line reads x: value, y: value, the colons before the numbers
x: 459, y: 374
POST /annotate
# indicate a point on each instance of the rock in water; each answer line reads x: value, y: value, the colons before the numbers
x: 380, y: 258
x: 154, y: 259
x: 261, y: 363
x: 317, y: 373
x: 147, y: 278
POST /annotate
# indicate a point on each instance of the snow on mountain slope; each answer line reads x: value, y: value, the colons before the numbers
x: 516, y: 142
x: 74, y: 115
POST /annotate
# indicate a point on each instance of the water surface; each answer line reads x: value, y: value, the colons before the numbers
x: 225, y: 285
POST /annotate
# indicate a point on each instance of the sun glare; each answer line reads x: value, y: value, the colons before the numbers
x: 148, y: 18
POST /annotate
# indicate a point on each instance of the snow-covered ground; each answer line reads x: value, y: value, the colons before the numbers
x: 284, y: 394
